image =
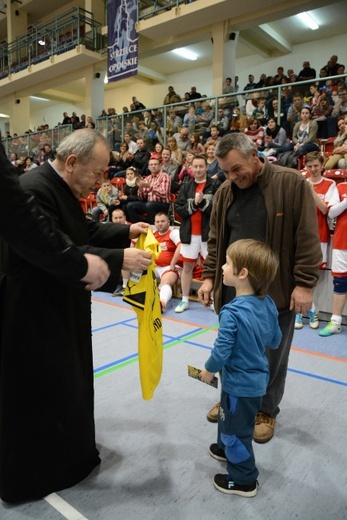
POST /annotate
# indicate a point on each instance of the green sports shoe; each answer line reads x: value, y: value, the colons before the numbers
x: 331, y: 328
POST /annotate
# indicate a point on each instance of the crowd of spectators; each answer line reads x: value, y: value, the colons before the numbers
x: 271, y: 120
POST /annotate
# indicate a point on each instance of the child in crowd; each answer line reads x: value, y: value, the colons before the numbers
x: 186, y: 172
x: 247, y: 326
x: 105, y: 197
x: 325, y: 195
x: 339, y: 262
x: 130, y: 188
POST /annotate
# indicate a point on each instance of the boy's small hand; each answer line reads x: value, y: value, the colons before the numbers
x: 206, y: 376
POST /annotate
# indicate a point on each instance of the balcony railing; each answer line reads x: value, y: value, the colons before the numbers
x: 58, y: 35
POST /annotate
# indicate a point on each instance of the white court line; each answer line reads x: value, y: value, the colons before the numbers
x: 69, y: 512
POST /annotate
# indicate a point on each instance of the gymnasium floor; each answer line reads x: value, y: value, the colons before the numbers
x: 155, y: 461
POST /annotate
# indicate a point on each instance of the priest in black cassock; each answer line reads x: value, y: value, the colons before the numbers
x: 47, y: 433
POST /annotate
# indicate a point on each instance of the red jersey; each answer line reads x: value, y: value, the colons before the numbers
x: 340, y: 233
x: 196, y: 217
x: 326, y: 190
x: 168, y: 241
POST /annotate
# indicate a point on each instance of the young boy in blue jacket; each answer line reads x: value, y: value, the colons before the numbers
x: 247, y: 326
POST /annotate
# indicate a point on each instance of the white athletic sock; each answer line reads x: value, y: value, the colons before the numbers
x: 125, y: 282
x: 336, y: 319
x: 165, y: 293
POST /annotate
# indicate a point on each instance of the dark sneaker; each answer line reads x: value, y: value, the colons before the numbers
x: 223, y: 484
x: 217, y: 453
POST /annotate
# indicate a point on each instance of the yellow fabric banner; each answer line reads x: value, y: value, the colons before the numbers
x: 142, y: 293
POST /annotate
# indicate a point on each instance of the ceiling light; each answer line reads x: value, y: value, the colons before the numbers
x: 39, y: 98
x: 308, y: 20
x: 4, y: 115
x: 41, y: 42
x: 184, y: 53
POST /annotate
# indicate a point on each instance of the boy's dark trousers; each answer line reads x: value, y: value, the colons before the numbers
x: 235, y: 434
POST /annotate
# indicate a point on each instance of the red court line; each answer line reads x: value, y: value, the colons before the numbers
x: 318, y: 354
x: 164, y: 317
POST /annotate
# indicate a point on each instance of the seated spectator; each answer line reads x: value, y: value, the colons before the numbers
x: 252, y: 104
x: 294, y: 111
x: 304, y: 138
x: 182, y: 139
x: 170, y: 168
x: 275, y: 137
x: 329, y: 89
x: 142, y: 129
x: 307, y: 72
x: 339, y: 109
x: 260, y: 112
x: 340, y: 147
x: 314, y: 95
x: 119, y: 160
x: 213, y: 169
x: 228, y: 87
x: 158, y: 150
x: 186, y: 172
x: 105, y: 197
x: 130, y: 188
x: 132, y: 146
x: 238, y: 121
x: 137, y: 104
x: 332, y: 66
x: 176, y: 152
x: 171, y: 97
x: 173, y: 123
x: 250, y: 86
x: 29, y: 164
x: 255, y: 131
x: 190, y: 120
x: 340, y: 106
x: 206, y: 116
x: 168, y: 267
x: 214, y: 137
x: 193, y: 94
x: 323, y: 109
x: 153, y: 194
x: 151, y: 137
x: 195, y: 144
x: 280, y: 76
x: 141, y: 157
x: 221, y: 122
x: 48, y: 153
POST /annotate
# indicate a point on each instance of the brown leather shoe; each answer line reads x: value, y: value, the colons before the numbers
x: 264, y: 428
x: 212, y: 415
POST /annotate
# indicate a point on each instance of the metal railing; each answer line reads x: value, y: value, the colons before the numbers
x: 56, y: 36
x: 31, y: 144
x: 112, y: 127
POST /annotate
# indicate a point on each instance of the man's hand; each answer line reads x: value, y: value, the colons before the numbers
x: 206, y: 376
x: 204, y: 293
x: 136, y: 260
x: 138, y: 228
x: 301, y: 300
x: 97, y: 274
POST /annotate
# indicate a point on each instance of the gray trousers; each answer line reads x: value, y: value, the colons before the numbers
x: 278, y: 364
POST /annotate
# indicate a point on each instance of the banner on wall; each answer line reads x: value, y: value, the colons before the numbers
x: 122, y: 39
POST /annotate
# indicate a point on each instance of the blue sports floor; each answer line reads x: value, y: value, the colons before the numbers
x: 155, y: 461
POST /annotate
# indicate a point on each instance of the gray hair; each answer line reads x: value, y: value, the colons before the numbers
x: 240, y: 142
x: 80, y: 143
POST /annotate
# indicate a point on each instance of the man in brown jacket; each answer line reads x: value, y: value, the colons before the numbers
x: 273, y: 204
